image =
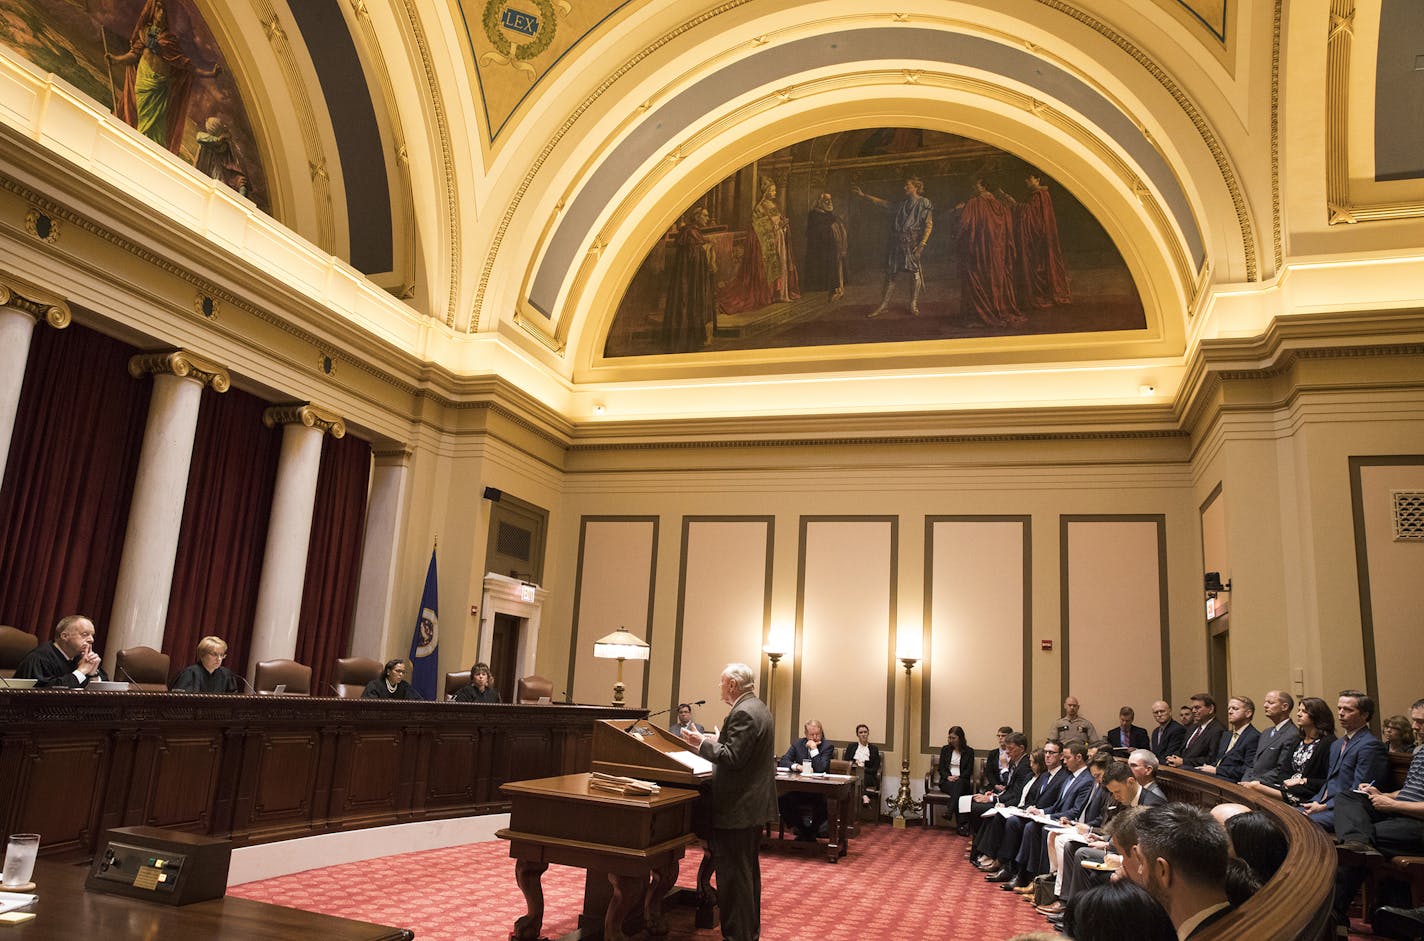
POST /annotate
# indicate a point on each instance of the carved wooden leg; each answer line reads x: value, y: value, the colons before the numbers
x: 625, y: 896
x: 835, y: 834
x: 526, y: 876
x: 706, y: 896
x: 664, y: 879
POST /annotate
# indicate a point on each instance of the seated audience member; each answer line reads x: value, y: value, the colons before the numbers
x: 1169, y: 735
x: 806, y: 813
x: 1020, y: 775
x: 1258, y: 848
x: 1072, y: 727
x: 1372, y: 822
x: 1238, y: 745
x: 70, y: 661
x: 991, y: 833
x: 1029, y: 857
x: 998, y: 765
x: 391, y: 683
x: 1310, y: 759
x: 1043, y: 796
x: 1274, y: 748
x: 864, y: 757
x: 1184, y: 716
x: 684, y: 717
x: 1143, y: 765
x: 1406, y: 924
x: 208, y: 675
x: 1125, y: 734
x: 1225, y: 811
x: 1183, y: 864
x: 480, y: 688
x: 1356, y: 758
x: 1074, y: 878
x: 956, y: 769
x: 1397, y: 735
x: 998, y: 770
x: 1117, y: 910
x: 1203, y: 738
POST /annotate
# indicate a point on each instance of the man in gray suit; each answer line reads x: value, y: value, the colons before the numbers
x: 1277, y: 744
x: 743, y: 800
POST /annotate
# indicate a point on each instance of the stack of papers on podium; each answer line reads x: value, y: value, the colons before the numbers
x: 615, y: 784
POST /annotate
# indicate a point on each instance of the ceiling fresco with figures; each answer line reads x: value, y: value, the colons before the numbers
x: 872, y: 236
x: 154, y: 64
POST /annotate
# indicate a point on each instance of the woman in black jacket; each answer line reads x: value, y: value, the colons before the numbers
x: 391, y: 683
x: 1310, y: 763
x: 956, y: 770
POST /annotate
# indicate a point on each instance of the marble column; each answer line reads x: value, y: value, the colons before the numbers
x: 385, y: 511
x: 19, y: 312
x: 284, y: 561
x: 140, y: 610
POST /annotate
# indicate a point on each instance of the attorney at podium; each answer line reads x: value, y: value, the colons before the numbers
x: 743, y: 799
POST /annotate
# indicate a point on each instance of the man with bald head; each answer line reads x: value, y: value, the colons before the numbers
x: 69, y: 662
x: 1277, y: 743
x: 1168, y: 735
x: 1073, y: 727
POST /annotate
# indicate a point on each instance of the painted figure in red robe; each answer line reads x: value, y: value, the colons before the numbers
x: 158, y: 78
x: 1044, y: 279
x: 987, y: 254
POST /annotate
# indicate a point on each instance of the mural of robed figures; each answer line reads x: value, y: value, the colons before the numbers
x: 875, y: 235
x: 156, y: 65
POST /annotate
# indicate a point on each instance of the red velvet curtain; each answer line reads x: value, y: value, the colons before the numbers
x: 64, y: 503
x: 223, y: 535
x: 333, y: 557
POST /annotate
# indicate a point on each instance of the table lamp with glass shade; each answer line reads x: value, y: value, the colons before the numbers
x: 620, y: 646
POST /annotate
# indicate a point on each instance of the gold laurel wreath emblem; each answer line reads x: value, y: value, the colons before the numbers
x: 506, y: 52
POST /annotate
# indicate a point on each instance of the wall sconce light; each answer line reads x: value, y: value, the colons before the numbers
x: 620, y: 646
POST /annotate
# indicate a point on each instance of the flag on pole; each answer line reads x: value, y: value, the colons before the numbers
x: 424, y: 642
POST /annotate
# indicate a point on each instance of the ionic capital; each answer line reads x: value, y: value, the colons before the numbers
x: 182, y: 364
x: 306, y: 414
x: 17, y: 296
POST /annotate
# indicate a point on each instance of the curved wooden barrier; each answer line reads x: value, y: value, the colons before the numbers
x: 1295, y: 903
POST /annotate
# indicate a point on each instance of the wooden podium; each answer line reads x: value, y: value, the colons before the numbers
x: 623, y: 842
x: 639, y: 749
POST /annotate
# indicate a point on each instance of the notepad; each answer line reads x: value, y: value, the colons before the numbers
x: 694, y: 762
x: 10, y: 901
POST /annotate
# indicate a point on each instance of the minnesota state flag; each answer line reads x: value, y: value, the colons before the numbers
x: 424, y: 642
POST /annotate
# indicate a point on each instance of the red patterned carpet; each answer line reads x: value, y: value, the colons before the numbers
x: 901, y: 884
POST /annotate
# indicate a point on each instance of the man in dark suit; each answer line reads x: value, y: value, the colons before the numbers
x: 1169, y: 735
x: 1126, y: 735
x: 1042, y: 793
x: 1184, y: 853
x: 70, y: 661
x: 1277, y: 744
x: 1018, y: 777
x: 1031, y: 857
x: 806, y: 813
x: 1203, y: 738
x: 1357, y: 757
x: 743, y: 800
x: 1238, y: 746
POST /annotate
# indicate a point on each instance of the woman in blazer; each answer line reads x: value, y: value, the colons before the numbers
x: 1310, y: 763
x: 956, y: 769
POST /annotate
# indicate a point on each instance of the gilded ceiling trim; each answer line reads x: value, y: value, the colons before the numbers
x: 306, y: 119
x: 879, y: 441
x: 556, y: 137
x: 1341, y: 207
x: 1277, y: 240
x: 38, y: 303
x: 625, y: 210
x: 1189, y: 108
x: 447, y: 163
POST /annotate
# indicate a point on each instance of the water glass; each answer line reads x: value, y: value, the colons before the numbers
x: 20, y: 858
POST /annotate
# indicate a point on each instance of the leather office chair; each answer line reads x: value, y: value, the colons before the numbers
x: 454, y: 682
x: 14, y: 644
x: 352, y: 675
x: 143, y: 668
x: 532, y: 687
x: 273, y: 673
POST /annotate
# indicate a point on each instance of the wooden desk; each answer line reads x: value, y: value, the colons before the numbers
x: 631, y: 845
x: 839, y: 792
x: 257, y: 769
x: 66, y: 911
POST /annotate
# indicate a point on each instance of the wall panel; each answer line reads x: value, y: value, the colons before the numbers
x: 978, y: 609
x: 616, y: 561
x: 1114, y: 614
x: 845, y: 639
x: 1391, y: 590
x: 724, y: 600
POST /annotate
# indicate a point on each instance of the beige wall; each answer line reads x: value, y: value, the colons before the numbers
x: 1395, y: 582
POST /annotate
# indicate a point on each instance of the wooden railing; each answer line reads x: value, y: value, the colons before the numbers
x: 262, y: 768
x: 1295, y: 902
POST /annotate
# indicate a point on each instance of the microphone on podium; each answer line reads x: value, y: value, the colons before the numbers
x: 127, y: 678
x: 663, y: 712
x: 245, y: 683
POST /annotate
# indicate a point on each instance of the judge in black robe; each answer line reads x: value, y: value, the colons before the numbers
x: 208, y: 675
x: 391, y: 683
x: 68, y: 662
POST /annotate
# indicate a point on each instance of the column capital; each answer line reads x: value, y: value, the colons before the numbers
x: 304, y: 413
x: 182, y: 364
x: 22, y: 297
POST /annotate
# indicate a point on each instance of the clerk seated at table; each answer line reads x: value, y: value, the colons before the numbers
x: 806, y: 813
x: 208, y: 675
x: 391, y: 683
x: 480, y: 688
x: 70, y: 661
